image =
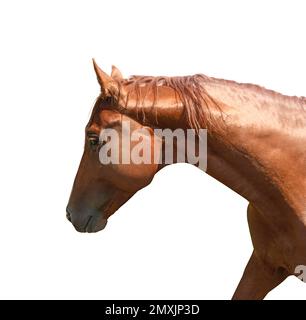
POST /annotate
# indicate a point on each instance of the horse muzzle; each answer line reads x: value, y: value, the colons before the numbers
x: 91, y: 223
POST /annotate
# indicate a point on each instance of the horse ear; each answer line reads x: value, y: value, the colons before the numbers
x: 116, y: 74
x: 107, y: 83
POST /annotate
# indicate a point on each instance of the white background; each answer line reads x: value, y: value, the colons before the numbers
x: 186, y: 235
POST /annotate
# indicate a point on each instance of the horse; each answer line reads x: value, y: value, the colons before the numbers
x: 256, y: 142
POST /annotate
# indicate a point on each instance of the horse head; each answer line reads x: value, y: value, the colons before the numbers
x: 100, y: 188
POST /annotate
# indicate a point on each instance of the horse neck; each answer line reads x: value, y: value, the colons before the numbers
x: 246, y: 155
x: 263, y: 138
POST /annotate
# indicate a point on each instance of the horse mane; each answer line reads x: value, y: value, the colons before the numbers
x: 261, y: 90
x: 197, y: 102
x: 188, y: 89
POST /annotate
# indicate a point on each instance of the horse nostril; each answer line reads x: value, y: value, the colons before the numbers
x: 68, y: 215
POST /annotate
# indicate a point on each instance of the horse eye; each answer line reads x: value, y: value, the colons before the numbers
x: 93, y: 141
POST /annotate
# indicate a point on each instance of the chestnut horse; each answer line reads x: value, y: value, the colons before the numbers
x: 256, y: 146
